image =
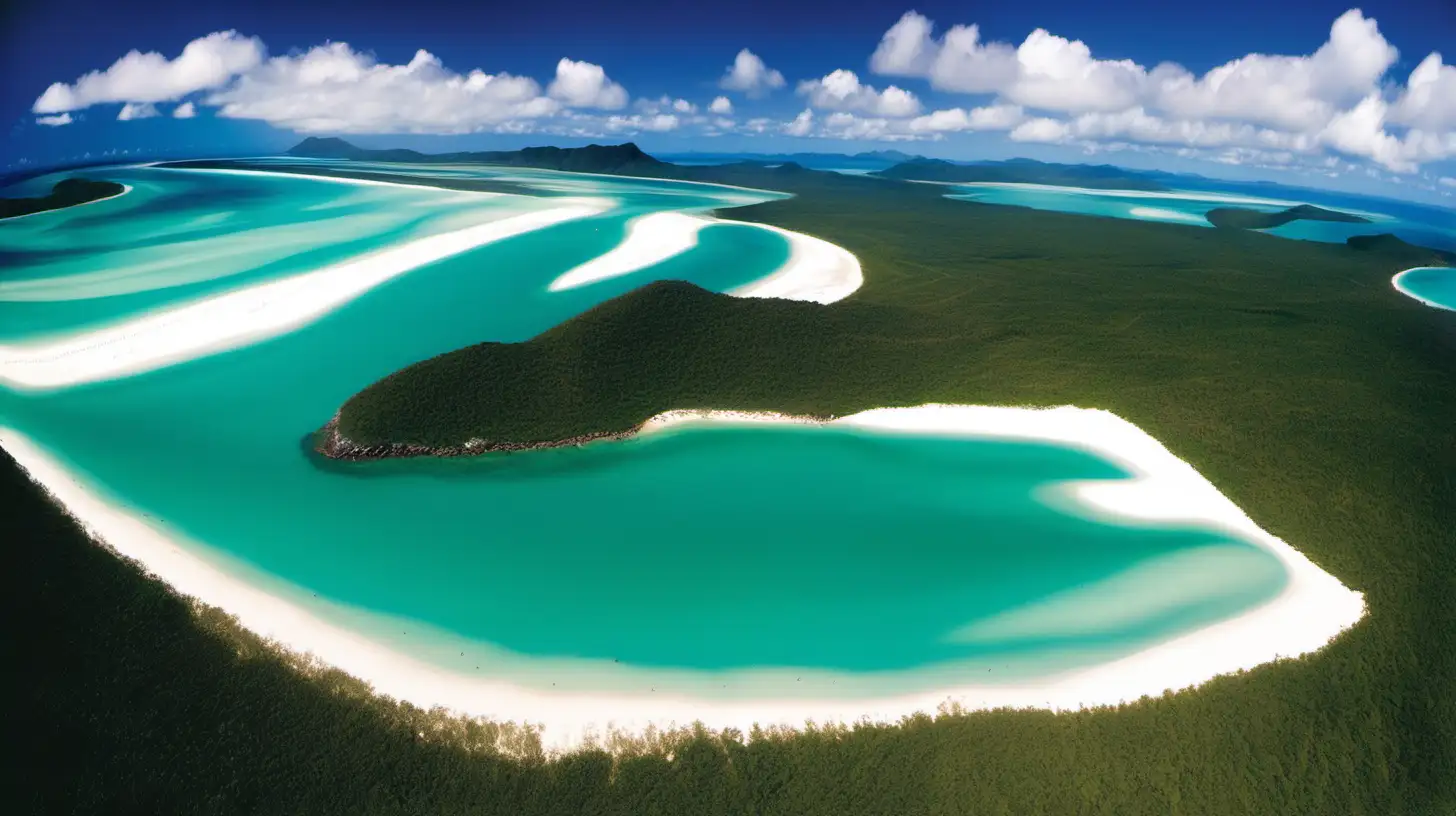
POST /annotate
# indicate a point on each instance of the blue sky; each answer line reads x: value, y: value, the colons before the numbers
x: 1302, y: 91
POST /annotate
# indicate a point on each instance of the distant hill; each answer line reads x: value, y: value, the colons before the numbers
x: 1023, y: 171
x: 1392, y: 245
x: 1239, y: 218
x: 626, y: 159
x: 870, y: 160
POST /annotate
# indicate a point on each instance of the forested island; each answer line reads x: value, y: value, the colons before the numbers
x: 1239, y: 218
x: 66, y: 193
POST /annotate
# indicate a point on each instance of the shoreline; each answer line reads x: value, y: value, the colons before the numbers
x: 1309, y: 611
x: 1395, y: 282
x: 251, y: 314
x: 125, y: 188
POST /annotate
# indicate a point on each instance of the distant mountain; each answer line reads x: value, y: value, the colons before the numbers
x: 872, y: 160
x: 625, y: 159
x: 1387, y: 244
x: 1024, y: 171
x: 1239, y: 218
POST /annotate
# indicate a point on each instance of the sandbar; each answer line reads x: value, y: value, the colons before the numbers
x: 650, y: 239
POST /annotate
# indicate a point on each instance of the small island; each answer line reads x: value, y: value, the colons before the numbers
x: 66, y: 193
x: 1239, y: 218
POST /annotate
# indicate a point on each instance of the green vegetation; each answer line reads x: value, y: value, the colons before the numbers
x: 1239, y: 218
x: 1291, y: 374
x: 1392, y: 246
x: 1024, y: 171
x: 626, y: 159
x: 66, y: 193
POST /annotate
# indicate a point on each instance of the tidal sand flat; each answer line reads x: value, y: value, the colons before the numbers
x: 705, y: 571
x: 1434, y: 286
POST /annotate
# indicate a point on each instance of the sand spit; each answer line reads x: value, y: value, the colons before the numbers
x: 251, y: 314
x: 1395, y: 281
x: 1313, y: 608
x: 651, y: 239
x: 816, y: 271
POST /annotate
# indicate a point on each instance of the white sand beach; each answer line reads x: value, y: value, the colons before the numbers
x: 1159, y: 214
x: 816, y: 270
x: 650, y: 239
x: 1313, y: 608
x: 1395, y: 281
x: 252, y: 313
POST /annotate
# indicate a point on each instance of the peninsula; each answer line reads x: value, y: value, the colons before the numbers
x: 66, y: 193
x: 1240, y: 218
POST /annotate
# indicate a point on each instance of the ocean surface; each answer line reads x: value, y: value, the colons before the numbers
x: 724, y: 560
x: 1416, y: 223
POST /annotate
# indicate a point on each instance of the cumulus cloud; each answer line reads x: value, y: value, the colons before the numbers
x: 666, y: 103
x: 841, y: 90
x: 54, y: 121
x: 1040, y: 130
x: 585, y: 85
x: 1336, y: 98
x: 658, y: 123
x: 722, y: 105
x: 1429, y: 98
x: 136, y: 110
x: 1447, y: 181
x: 749, y: 75
x: 990, y: 117
x: 332, y: 88
x: 802, y: 124
x: 205, y: 63
x: 186, y: 110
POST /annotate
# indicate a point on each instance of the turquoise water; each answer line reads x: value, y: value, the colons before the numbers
x: 1422, y: 225
x: 717, y: 551
x: 1431, y: 284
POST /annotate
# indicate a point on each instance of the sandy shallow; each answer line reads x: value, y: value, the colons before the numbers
x: 650, y: 239
x: 1313, y: 608
x: 250, y: 314
x: 1395, y: 281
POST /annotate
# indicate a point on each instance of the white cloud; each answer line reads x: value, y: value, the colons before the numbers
x: 658, y: 122
x: 801, y: 125
x: 841, y: 90
x: 723, y: 123
x: 54, y: 121
x: 1429, y: 99
x: 585, y: 85
x: 666, y: 103
x: 206, y: 62
x: 1336, y: 98
x: 721, y: 105
x: 991, y: 117
x: 1447, y: 181
x: 332, y: 88
x: 136, y: 110
x: 1040, y: 130
x: 186, y: 110
x: 748, y: 74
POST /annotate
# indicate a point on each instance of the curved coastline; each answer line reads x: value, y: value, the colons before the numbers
x: 125, y: 188
x: 1395, y: 281
x: 1312, y: 608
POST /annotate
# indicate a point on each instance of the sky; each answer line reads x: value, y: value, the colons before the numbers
x: 1314, y: 92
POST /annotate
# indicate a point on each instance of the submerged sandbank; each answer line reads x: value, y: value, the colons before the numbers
x: 1311, y: 609
x: 1410, y: 293
x: 253, y: 313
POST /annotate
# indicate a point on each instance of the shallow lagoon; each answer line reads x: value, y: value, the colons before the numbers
x: 710, y: 550
x: 1422, y: 225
